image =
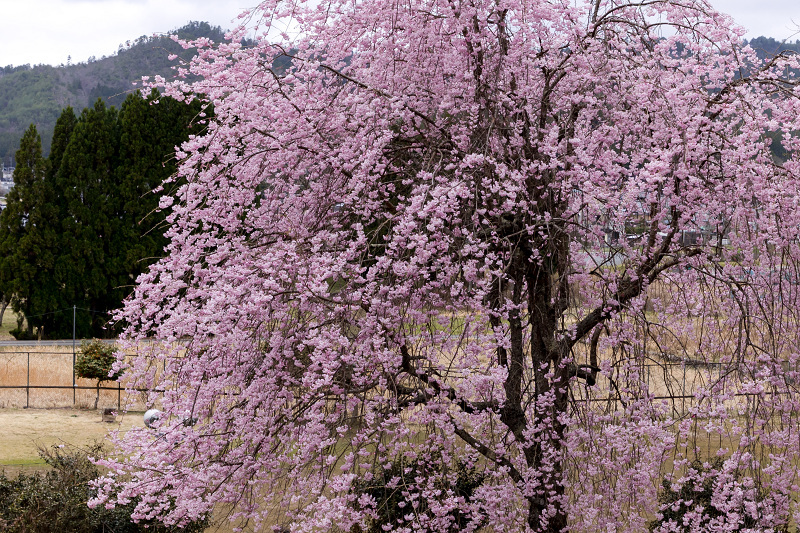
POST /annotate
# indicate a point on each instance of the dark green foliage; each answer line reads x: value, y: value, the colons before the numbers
x: 698, y: 493
x: 94, y: 360
x: 148, y: 135
x: 392, y: 489
x: 82, y: 225
x: 88, y: 214
x: 61, y: 135
x: 27, y: 235
x: 56, y: 501
x: 45, y: 286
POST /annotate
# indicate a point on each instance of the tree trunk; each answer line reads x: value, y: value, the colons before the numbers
x: 545, y: 292
x: 542, y: 452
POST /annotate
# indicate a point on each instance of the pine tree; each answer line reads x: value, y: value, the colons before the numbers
x: 26, y: 244
x: 85, y: 181
x: 150, y: 129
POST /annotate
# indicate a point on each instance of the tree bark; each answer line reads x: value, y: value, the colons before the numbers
x: 3, y: 307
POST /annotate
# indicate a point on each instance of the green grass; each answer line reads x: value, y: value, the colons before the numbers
x: 9, y: 323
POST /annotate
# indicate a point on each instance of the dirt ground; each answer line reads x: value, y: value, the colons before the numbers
x: 24, y: 430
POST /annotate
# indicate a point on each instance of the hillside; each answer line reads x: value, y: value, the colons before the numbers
x: 38, y: 94
x: 768, y: 47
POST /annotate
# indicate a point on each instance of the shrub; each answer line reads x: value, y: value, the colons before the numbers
x: 55, y: 501
x: 94, y: 361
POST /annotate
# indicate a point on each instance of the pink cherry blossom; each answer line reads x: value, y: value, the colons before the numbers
x: 501, y: 235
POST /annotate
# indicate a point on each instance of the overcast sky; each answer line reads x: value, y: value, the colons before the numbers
x: 48, y: 31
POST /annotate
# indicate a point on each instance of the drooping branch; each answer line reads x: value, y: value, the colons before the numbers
x: 441, y: 390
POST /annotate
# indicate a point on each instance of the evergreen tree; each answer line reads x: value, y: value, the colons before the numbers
x: 26, y: 239
x: 61, y: 136
x: 150, y: 129
x: 56, y: 323
x: 85, y: 181
x: 95, y: 206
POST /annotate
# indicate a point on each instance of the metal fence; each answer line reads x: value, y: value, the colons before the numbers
x: 45, y: 379
x: 677, y: 383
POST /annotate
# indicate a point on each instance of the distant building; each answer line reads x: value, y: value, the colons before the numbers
x: 8, y: 174
x: 6, y: 182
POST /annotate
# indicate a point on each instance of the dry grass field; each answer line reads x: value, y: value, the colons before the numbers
x: 25, y: 430
x: 55, y: 416
x: 64, y: 416
x: 9, y: 323
x: 49, y: 366
x: 34, y: 375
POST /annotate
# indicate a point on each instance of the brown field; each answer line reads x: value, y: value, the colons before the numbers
x: 25, y: 430
x: 63, y: 416
x: 36, y: 373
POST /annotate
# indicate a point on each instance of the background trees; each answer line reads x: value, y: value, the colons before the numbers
x: 82, y: 225
x: 87, y: 185
x: 455, y: 237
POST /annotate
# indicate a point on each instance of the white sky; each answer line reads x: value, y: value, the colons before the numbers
x: 48, y: 31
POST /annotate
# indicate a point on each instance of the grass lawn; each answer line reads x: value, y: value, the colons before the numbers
x: 9, y: 323
x: 24, y: 430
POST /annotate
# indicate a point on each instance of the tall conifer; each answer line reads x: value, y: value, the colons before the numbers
x: 61, y: 135
x: 95, y: 206
x: 150, y: 129
x: 85, y: 181
x: 25, y: 241
x: 58, y: 322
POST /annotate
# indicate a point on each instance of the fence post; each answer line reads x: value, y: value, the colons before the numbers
x: 28, y: 384
x: 74, y: 396
x: 119, y: 396
x: 683, y: 390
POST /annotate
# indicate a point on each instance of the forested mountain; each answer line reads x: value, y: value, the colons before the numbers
x: 38, y: 94
x: 768, y: 47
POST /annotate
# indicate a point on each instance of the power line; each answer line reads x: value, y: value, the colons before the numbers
x: 69, y: 309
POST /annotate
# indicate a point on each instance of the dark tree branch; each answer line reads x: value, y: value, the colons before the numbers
x: 441, y: 390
